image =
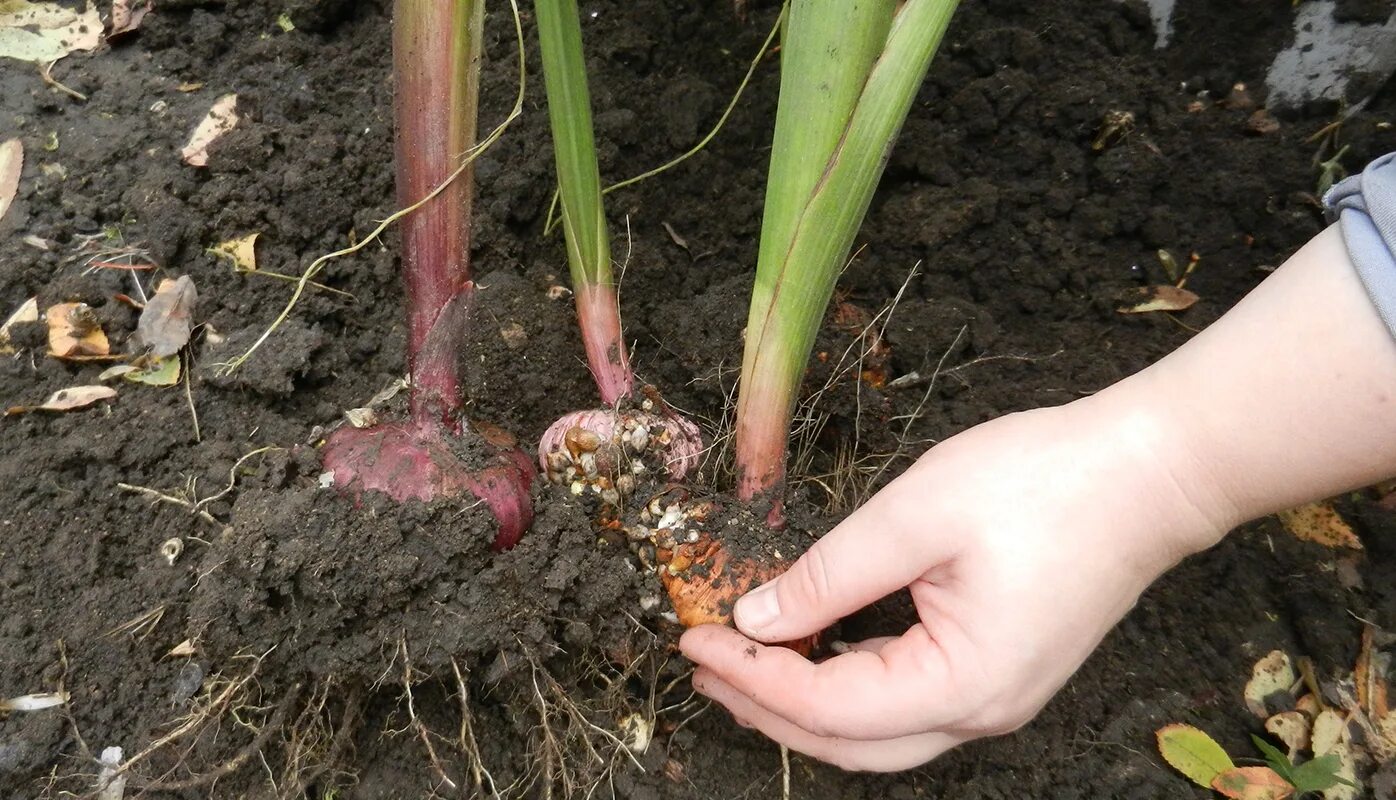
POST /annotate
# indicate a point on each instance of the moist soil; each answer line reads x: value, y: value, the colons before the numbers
x: 379, y: 650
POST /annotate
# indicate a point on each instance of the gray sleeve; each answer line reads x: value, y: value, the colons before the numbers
x: 1365, y: 207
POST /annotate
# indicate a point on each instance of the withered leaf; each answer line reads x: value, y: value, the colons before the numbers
x: 27, y: 312
x: 241, y: 251
x: 1144, y: 299
x: 167, y: 320
x: 42, y: 33
x: 11, y: 164
x: 1271, y: 675
x: 1252, y: 783
x: 74, y: 397
x: 219, y: 120
x: 1320, y: 523
x: 126, y: 16
x: 74, y: 333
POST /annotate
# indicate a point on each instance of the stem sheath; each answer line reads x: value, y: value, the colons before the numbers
x: 579, y: 183
x: 436, y: 67
x: 824, y: 169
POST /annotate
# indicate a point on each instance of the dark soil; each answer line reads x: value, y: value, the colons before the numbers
x: 308, y: 617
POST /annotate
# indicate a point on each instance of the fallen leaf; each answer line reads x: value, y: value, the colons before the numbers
x: 241, y: 251
x: 73, y: 332
x: 126, y: 16
x: 45, y: 32
x: 219, y: 120
x: 1370, y: 677
x: 167, y: 321
x: 11, y: 163
x: 33, y: 702
x: 1319, y: 523
x: 1271, y: 675
x: 1252, y: 783
x: 1292, y: 728
x: 1309, y: 705
x: 27, y: 312
x: 1328, y: 731
x: 182, y: 650
x: 1193, y: 753
x: 116, y: 372
x: 1144, y: 299
x: 162, y: 371
x: 69, y: 399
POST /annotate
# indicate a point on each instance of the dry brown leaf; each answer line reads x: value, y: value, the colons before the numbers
x: 168, y: 318
x: 242, y: 251
x: 1292, y: 728
x: 42, y: 33
x: 1370, y: 677
x: 27, y: 312
x: 1320, y: 523
x: 219, y: 120
x: 1271, y: 675
x: 1252, y: 783
x: 184, y: 649
x: 126, y: 15
x: 74, y: 397
x: 11, y: 164
x: 74, y: 332
x: 1145, y: 299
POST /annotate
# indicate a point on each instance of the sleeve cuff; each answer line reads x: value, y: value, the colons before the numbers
x: 1365, y: 207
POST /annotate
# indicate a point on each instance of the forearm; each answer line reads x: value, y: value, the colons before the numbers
x: 1289, y: 397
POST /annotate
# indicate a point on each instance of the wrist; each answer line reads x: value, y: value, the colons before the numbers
x: 1163, y: 471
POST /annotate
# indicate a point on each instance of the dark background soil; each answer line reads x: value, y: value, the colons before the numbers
x: 1019, y: 235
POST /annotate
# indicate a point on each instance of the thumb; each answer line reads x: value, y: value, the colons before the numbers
x: 880, y: 548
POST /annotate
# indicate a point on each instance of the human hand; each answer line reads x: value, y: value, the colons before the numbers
x: 1022, y: 542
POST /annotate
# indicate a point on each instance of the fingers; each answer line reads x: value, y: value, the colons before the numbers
x: 904, y: 688
x: 884, y: 755
x: 879, y: 549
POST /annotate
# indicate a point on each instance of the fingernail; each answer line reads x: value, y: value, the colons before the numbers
x: 757, y: 609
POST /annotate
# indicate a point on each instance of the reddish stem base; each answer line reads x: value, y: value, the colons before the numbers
x: 415, y: 461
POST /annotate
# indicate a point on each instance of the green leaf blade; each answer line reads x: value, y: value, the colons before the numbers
x: 1193, y: 753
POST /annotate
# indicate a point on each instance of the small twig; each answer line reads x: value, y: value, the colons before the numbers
x: 785, y: 772
x: 46, y: 72
x: 189, y: 397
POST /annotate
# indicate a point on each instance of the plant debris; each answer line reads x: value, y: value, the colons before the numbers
x: 126, y: 16
x: 74, y: 332
x: 241, y: 251
x: 1193, y: 753
x: 33, y: 702
x: 167, y: 321
x: 220, y: 119
x: 1144, y: 299
x: 1252, y: 783
x: 70, y: 399
x: 1320, y: 523
x: 1274, y: 674
x: 11, y: 164
x: 27, y: 312
x: 42, y: 33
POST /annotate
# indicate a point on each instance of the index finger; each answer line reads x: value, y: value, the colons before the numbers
x: 907, y: 687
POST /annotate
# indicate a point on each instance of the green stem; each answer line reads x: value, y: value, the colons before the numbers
x: 824, y: 169
x: 579, y: 183
x: 437, y: 77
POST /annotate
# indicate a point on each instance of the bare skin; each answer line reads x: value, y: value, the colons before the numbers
x: 1024, y: 540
